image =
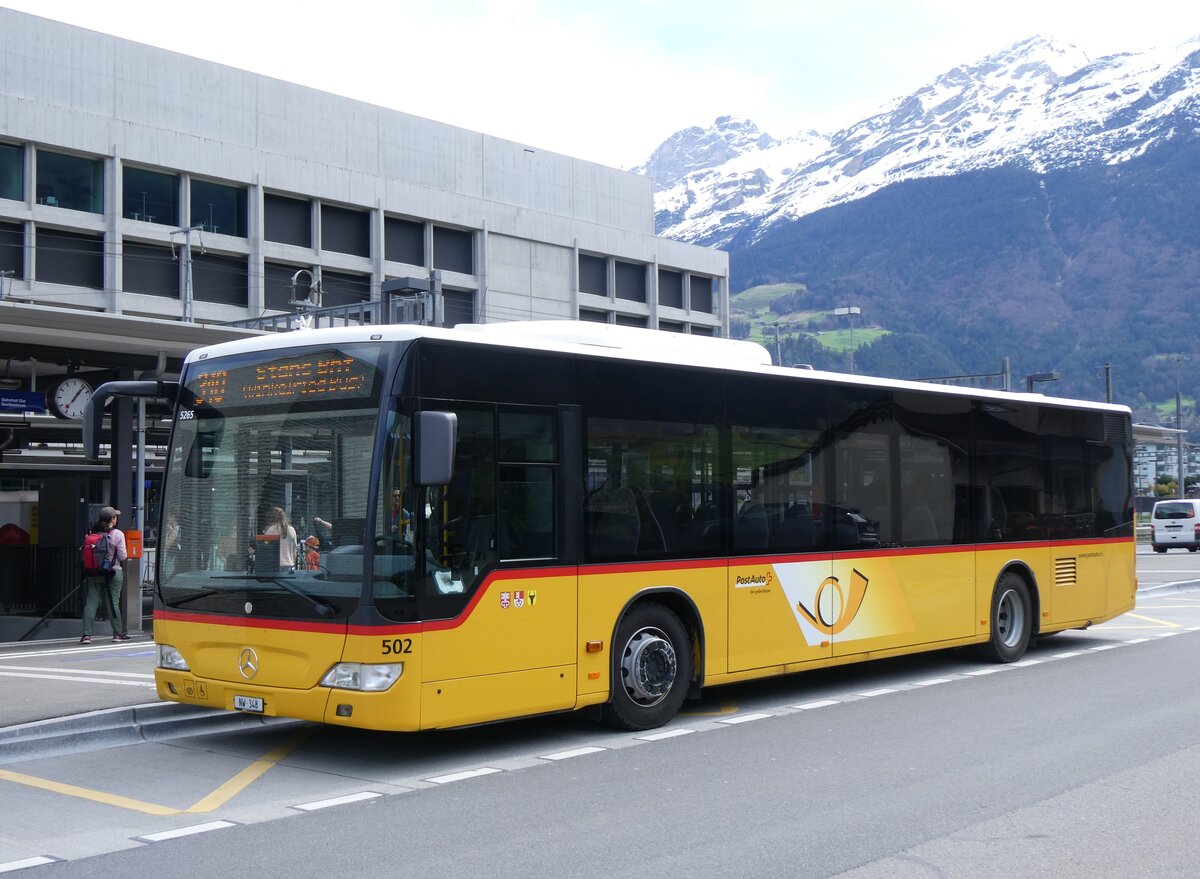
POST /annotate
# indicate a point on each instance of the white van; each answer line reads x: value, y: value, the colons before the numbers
x: 1175, y: 523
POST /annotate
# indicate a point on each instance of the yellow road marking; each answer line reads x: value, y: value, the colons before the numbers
x: 207, y: 803
x: 727, y: 707
x: 1166, y: 623
x: 84, y: 793
x: 243, y: 779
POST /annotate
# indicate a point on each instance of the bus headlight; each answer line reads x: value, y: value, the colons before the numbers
x: 361, y: 676
x: 169, y: 657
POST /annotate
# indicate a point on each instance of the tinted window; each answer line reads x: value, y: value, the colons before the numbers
x: 593, y: 274
x: 453, y: 250
x: 864, y: 511
x: 150, y: 269
x: 220, y: 278
x: 780, y: 465
x: 71, y: 182
x: 219, y: 208
x: 70, y: 258
x: 404, y: 241
x: 12, y: 171
x: 934, y: 441
x: 345, y: 230
x: 150, y: 196
x: 631, y: 281
x: 287, y: 220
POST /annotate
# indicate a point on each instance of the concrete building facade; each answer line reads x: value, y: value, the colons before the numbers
x: 151, y: 202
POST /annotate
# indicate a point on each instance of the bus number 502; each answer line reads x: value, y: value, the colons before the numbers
x: 397, y: 645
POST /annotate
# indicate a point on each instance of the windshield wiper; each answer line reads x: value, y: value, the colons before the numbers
x: 324, y: 608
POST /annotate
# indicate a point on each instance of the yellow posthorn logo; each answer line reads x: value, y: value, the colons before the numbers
x: 835, y: 610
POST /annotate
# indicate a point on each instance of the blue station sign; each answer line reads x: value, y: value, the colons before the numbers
x: 22, y: 401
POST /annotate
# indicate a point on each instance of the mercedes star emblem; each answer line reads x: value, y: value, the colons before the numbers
x: 248, y: 663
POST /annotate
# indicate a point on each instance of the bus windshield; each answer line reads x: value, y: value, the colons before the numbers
x: 269, y: 473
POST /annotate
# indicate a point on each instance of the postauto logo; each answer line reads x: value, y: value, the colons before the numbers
x: 835, y: 606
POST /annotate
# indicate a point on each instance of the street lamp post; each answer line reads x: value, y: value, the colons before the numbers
x: 850, y: 311
x: 1030, y: 380
x: 1179, y: 462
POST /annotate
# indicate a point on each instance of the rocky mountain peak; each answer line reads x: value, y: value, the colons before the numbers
x: 695, y: 148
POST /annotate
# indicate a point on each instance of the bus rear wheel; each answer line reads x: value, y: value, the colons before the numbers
x: 1011, y: 620
x: 652, y: 668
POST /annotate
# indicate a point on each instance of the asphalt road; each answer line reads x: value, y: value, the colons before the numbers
x: 1080, y: 760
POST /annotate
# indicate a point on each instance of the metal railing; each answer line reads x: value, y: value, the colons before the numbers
x: 35, y: 579
x: 416, y: 309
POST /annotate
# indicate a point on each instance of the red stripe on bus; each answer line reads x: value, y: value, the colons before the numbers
x: 632, y: 567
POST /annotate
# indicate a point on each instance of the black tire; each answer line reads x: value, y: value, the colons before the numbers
x: 1011, y: 620
x: 1160, y: 549
x: 651, y: 670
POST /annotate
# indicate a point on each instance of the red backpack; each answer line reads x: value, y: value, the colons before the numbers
x: 95, y: 549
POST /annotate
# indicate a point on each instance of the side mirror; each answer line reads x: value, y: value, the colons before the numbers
x: 203, y: 452
x: 436, y: 442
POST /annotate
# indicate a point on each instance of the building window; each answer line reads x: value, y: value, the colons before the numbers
x: 593, y: 274
x: 278, y: 290
x: 149, y: 269
x: 631, y: 281
x: 404, y: 241
x: 588, y: 314
x: 702, y: 294
x: 150, y: 196
x: 221, y: 279
x: 12, y: 252
x: 345, y: 231
x: 70, y: 258
x: 458, y: 307
x: 71, y: 182
x: 453, y: 250
x: 342, y: 288
x: 219, y: 208
x: 287, y: 220
x: 670, y: 288
x: 629, y: 320
x: 12, y: 172
x: 670, y: 326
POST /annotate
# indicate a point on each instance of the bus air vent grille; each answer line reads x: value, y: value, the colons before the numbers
x: 1065, y: 572
x: 1116, y: 428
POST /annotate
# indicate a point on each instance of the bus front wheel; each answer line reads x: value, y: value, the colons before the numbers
x: 652, y: 668
x: 1011, y: 620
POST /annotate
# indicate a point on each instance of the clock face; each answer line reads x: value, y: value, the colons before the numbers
x: 71, y: 397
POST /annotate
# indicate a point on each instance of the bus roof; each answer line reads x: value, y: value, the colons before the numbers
x: 619, y: 342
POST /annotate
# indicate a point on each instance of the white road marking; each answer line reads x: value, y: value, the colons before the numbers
x: 882, y: 691
x: 930, y: 682
x: 821, y: 703
x: 669, y: 734
x: 77, y: 679
x: 463, y: 776
x: 10, y: 866
x: 185, y: 831
x: 338, y: 801
x: 73, y: 671
x: 577, y: 752
x: 744, y: 718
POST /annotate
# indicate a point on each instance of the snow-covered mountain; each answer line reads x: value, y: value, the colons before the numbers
x: 1038, y: 105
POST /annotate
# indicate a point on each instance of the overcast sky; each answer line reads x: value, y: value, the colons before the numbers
x: 608, y: 80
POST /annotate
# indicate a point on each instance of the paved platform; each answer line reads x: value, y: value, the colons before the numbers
x: 60, y: 696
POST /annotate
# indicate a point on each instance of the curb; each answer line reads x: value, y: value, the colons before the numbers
x: 115, y: 727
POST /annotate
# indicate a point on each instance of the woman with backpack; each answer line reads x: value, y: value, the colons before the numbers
x: 104, y: 551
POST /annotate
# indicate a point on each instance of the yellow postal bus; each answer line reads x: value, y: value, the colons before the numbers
x: 413, y: 528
